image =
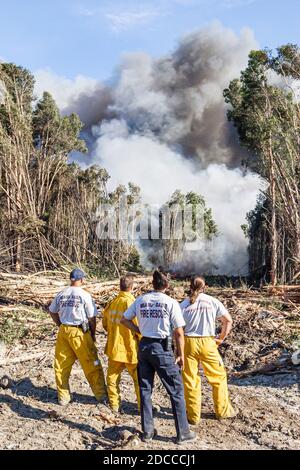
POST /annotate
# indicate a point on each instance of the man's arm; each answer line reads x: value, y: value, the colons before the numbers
x: 93, y: 324
x: 105, y: 319
x: 130, y: 325
x: 179, y: 340
x: 55, y: 318
x: 54, y: 309
x: 226, y: 322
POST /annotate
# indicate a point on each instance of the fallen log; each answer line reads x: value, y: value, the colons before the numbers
x: 24, y: 358
x: 272, y: 368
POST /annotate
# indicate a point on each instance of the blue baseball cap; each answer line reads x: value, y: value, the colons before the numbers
x: 77, y: 274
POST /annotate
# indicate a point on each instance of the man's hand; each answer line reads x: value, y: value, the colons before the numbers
x: 55, y: 318
x: 180, y: 362
x: 130, y: 325
x: 226, y: 322
x: 179, y: 340
x: 92, y: 325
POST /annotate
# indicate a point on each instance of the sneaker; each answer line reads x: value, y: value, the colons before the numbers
x: 190, y: 437
x: 233, y: 415
x: 103, y: 400
x: 193, y: 424
x: 148, y: 436
x: 64, y: 402
x: 116, y: 410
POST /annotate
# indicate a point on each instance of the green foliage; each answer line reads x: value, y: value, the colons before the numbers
x: 245, y: 229
x: 19, y: 85
x: 287, y: 62
x: 132, y: 194
x: 134, y: 263
x: 199, y: 211
x: 60, y: 134
x: 17, y: 324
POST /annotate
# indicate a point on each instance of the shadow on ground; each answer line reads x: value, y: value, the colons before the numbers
x: 25, y: 388
x: 280, y: 381
x: 29, y: 412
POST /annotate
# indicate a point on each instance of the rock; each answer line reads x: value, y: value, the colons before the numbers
x: 125, y: 435
x: 136, y: 441
x: 52, y: 414
x: 5, y: 382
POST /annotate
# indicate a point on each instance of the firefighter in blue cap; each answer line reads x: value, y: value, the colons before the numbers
x: 74, y: 312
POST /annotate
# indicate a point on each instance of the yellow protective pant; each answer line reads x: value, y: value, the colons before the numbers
x: 72, y: 344
x: 114, y: 372
x: 205, y: 351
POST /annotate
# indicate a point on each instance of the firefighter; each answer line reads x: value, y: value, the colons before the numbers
x: 74, y: 312
x: 122, y: 344
x: 157, y: 314
x: 200, y: 312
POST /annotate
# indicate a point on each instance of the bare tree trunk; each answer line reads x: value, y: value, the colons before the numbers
x: 274, y: 254
x: 18, y: 252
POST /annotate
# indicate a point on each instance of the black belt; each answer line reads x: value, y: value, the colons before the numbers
x: 154, y: 340
x: 165, y: 342
x: 72, y: 326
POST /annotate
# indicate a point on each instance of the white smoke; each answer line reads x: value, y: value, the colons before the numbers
x: 163, y: 125
x: 288, y: 84
x: 159, y: 171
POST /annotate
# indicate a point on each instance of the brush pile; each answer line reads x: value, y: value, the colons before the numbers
x: 39, y: 290
x: 289, y: 294
x: 265, y: 333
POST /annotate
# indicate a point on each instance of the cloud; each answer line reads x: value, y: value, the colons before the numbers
x: 236, y: 3
x: 211, y: 3
x: 123, y: 16
x: 87, y: 12
x: 125, y: 20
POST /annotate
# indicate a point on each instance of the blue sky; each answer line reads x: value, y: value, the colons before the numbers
x: 88, y: 37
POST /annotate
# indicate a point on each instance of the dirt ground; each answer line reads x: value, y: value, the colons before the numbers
x: 268, y: 418
x: 268, y: 404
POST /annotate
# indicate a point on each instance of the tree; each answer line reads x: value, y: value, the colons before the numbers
x: 48, y: 206
x: 267, y: 119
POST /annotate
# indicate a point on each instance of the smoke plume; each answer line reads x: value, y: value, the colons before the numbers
x: 162, y: 124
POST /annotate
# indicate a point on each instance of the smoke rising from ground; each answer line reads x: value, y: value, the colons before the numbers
x: 162, y: 125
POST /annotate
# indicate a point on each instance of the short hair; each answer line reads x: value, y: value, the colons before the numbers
x: 126, y: 283
x: 160, y: 280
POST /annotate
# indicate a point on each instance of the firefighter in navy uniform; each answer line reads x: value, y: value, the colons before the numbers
x: 157, y: 314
